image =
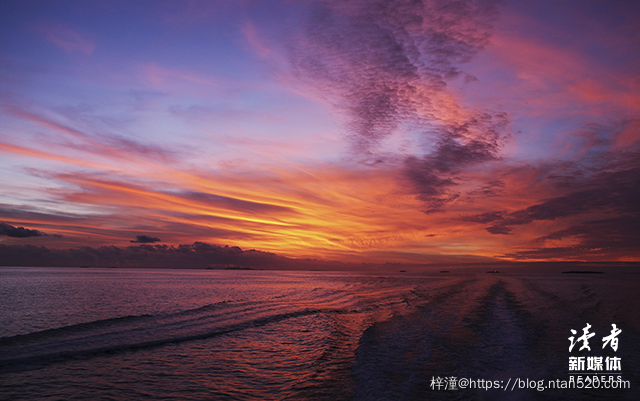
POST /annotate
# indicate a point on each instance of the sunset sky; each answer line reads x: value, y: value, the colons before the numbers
x: 402, y: 131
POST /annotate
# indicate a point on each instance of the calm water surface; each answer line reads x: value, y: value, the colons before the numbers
x: 244, y: 335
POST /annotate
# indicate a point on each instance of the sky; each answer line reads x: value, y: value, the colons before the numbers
x: 351, y: 130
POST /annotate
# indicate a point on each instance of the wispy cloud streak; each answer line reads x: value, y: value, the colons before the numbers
x: 66, y: 38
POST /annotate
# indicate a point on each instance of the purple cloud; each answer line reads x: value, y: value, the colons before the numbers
x: 385, y: 65
x: 603, y: 239
x: 433, y: 175
x: 386, y: 59
x: 66, y: 38
x: 602, y: 197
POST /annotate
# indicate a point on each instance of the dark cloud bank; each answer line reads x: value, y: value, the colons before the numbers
x: 201, y: 255
x: 21, y: 232
x: 198, y: 255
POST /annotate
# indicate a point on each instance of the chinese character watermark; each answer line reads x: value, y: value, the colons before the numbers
x: 613, y: 338
x: 594, y: 363
x: 584, y: 338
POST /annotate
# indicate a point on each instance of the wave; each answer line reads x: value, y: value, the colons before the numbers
x: 130, y: 333
x: 43, y: 354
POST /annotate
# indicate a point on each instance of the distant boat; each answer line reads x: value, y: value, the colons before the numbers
x: 403, y: 271
x: 493, y: 271
x: 445, y: 271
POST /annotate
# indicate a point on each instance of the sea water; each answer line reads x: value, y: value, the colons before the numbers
x: 74, y: 333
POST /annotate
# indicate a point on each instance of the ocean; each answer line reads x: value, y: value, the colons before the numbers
x: 150, y: 334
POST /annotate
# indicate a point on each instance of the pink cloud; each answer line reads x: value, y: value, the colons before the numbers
x: 103, y: 145
x: 172, y: 79
x: 560, y: 76
x: 256, y: 42
x: 67, y: 39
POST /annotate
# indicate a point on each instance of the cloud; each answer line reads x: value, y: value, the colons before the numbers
x: 230, y: 203
x: 66, y: 38
x: 608, y: 192
x: 253, y: 39
x: 104, y: 145
x: 385, y: 66
x: 201, y: 255
x: 197, y: 255
x: 594, y: 204
x: 97, y: 228
x: 605, y: 239
x: 21, y: 232
x: 497, y: 229
x: 433, y: 175
x: 387, y: 60
x: 145, y: 239
x: 489, y: 189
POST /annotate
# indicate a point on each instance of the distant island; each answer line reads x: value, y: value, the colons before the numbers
x: 582, y: 272
x: 229, y: 267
